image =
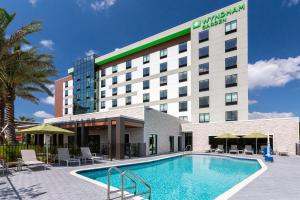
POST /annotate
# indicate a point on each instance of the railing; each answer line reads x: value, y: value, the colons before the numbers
x: 125, y: 174
x: 187, y: 148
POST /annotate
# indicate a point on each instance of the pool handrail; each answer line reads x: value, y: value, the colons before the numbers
x: 115, y: 191
x: 138, y: 178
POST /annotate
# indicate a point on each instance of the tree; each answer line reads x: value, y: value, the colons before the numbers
x: 22, y: 73
x: 26, y: 119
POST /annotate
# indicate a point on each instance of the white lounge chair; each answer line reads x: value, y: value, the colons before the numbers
x: 248, y: 149
x: 87, y: 155
x: 63, y: 155
x: 234, y: 149
x: 220, y: 149
x: 29, y: 158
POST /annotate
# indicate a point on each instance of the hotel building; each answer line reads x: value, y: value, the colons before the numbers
x: 192, y: 75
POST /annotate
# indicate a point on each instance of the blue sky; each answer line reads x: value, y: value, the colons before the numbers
x: 74, y: 27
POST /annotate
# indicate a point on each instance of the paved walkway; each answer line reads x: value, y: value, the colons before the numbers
x: 281, y: 181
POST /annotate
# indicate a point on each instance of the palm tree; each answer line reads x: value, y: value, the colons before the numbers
x: 26, y: 119
x: 22, y: 73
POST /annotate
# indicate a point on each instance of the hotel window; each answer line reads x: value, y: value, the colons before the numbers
x: 114, y: 91
x: 231, y: 45
x: 102, y: 83
x: 231, y: 98
x: 128, y: 76
x: 203, y: 36
x: 78, y: 97
x: 182, y: 76
x: 66, y: 93
x: 184, y: 118
x: 87, y: 95
x: 103, y: 94
x: 231, y: 62
x: 231, y: 80
x: 146, y: 71
x: 114, y: 103
x: 163, y: 94
x: 231, y: 115
x: 163, y: 107
x: 204, y: 102
x: 182, y: 47
x: 203, y: 52
x: 128, y: 64
x: 103, y: 72
x: 128, y: 88
x: 204, y: 117
x: 163, y: 67
x: 88, y: 82
x: 204, y: 68
x: 182, y: 62
x: 183, y: 106
x: 231, y: 27
x: 146, y: 84
x: 66, y: 102
x: 146, y: 58
x: 78, y: 87
x: 163, y: 80
x: 102, y: 104
x: 163, y: 53
x: 114, y: 80
x: 128, y: 100
x: 182, y: 91
x: 115, y: 69
x: 66, y: 84
x: 88, y: 74
x: 66, y: 111
x: 146, y: 97
x: 204, y: 85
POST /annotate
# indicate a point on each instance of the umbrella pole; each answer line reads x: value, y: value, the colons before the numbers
x: 226, y: 146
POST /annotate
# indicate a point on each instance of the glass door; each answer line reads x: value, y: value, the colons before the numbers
x: 171, y: 139
x: 153, y: 144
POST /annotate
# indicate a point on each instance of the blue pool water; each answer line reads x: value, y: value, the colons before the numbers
x: 185, y: 177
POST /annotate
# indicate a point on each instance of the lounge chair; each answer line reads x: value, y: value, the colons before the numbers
x: 248, y: 149
x: 87, y: 155
x: 234, y: 149
x: 283, y: 153
x: 220, y: 149
x: 29, y: 159
x: 2, y: 167
x: 63, y: 155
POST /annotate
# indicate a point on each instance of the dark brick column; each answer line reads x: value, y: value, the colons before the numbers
x: 120, y: 138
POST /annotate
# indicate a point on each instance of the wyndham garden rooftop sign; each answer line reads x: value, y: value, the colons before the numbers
x: 217, y: 19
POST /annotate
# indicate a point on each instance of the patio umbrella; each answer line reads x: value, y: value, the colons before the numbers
x: 255, y: 136
x: 226, y: 136
x: 46, y: 129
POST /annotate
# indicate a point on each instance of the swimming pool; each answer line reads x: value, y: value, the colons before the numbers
x: 192, y: 177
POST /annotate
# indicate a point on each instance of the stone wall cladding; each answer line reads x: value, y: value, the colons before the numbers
x: 285, y: 131
x: 163, y: 125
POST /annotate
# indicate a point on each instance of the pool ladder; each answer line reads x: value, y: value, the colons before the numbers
x: 126, y: 174
x: 187, y: 148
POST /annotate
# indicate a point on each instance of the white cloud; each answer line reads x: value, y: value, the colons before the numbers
x: 251, y: 102
x: 291, y: 3
x: 50, y: 99
x: 261, y: 115
x: 273, y: 73
x: 47, y: 43
x: 25, y: 47
x: 42, y: 114
x: 33, y: 2
x: 90, y: 52
x: 99, y: 5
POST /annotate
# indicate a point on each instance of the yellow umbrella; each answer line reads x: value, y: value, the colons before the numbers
x: 227, y: 136
x: 255, y: 136
x: 46, y: 129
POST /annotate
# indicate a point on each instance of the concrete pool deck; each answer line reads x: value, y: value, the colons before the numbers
x: 280, y: 181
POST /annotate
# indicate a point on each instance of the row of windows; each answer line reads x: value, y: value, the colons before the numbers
x: 230, y: 63
x: 146, y: 58
x: 230, y: 99
x: 229, y: 116
x: 230, y: 27
x: 230, y: 81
